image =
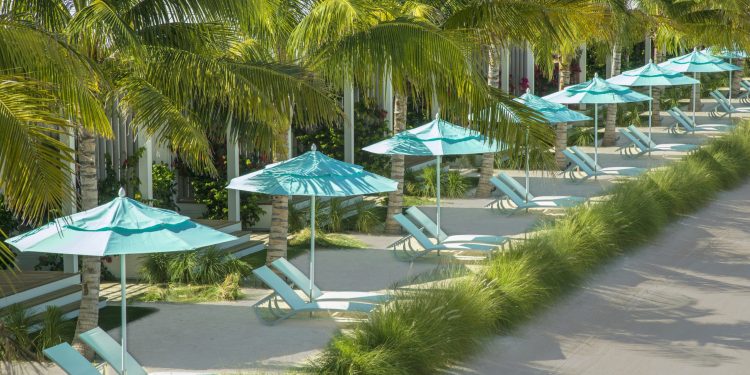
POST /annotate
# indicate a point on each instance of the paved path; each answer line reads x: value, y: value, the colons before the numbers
x: 678, y: 306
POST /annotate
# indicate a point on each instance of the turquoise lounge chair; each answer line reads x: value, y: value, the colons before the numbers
x: 303, y: 283
x: 111, y: 351
x: 427, y: 245
x: 295, y: 302
x: 723, y: 106
x: 640, y: 144
x: 583, y: 163
x: 428, y: 225
x: 522, y: 199
x: 745, y: 94
x: 72, y: 362
x: 684, y: 123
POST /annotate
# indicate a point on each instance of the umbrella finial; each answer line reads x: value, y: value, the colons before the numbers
x: 528, y: 90
x: 314, y: 147
x: 121, y: 192
x: 437, y: 115
x: 596, y: 75
x: 650, y: 60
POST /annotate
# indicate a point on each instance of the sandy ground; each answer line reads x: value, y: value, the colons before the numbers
x: 675, y: 304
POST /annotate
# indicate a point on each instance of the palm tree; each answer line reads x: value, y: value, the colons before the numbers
x: 184, y: 71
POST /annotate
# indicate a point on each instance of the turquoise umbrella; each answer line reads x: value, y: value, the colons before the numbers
x: 436, y: 138
x: 651, y: 75
x: 313, y: 174
x: 554, y: 113
x: 697, y: 62
x: 120, y: 227
x: 596, y: 91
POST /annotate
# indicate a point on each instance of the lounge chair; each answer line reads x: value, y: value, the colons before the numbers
x: 72, y: 362
x: 427, y: 245
x: 684, y: 123
x: 745, y: 94
x: 303, y: 283
x: 295, y: 302
x: 428, y: 225
x: 111, y: 351
x: 522, y: 199
x: 640, y: 144
x: 723, y: 106
x: 584, y: 163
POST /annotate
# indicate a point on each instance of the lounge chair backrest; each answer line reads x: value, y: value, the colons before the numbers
x: 414, y: 231
x: 281, y: 288
x: 745, y: 85
x: 642, y: 136
x: 520, y: 189
x: 677, y: 116
x: 296, y: 276
x: 417, y: 215
x: 111, y: 351
x: 684, y: 116
x: 578, y: 161
x: 70, y: 360
x: 507, y: 190
x: 632, y: 138
x: 725, y: 105
x: 586, y: 158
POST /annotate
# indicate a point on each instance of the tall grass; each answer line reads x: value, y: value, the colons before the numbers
x: 430, y: 329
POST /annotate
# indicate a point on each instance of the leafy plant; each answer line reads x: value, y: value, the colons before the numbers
x: 230, y: 288
x: 367, y: 219
x: 55, y: 328
x: 165, y: 186
x: 110, y: 185
x: 205, y: 267
x: 212, y: 193
x: 182, y: 267
x: 50, y: 262
x: 454, y: 185
x: 155, y: 268
x: 335, y: 215
x: 15, y: 340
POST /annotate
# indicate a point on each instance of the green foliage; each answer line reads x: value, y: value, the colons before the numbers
x: 229, y: 290
x: 301, y: 240
x: 55, y: 329
x: 419, y: 333
x: 165, y: 186
x: 15, y: 340
x: 207, y: 267
x: 335, y: 215
x: 367, y: 219
x: 455, y: 185
x: 452, y: 184
x: 110, y: 185
x: 50, y: 262
x: 213, y: 194
x: 8, y: 221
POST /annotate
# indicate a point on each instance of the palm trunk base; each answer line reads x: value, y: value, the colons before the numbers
x: 277, y: 242
x: 610, y: 129
x: 484, y: 189
x: 561, y: 143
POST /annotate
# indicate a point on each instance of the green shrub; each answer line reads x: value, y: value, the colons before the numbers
x: 454, y: 185
x: 55, y: 328
x: 212, y: 193
x: 367, y: 219
x: 209, y: 266
x: 155, y: 268
x: 15, y: 340
x: 165, y: 186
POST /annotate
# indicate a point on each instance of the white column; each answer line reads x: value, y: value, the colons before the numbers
x: 348, y: 121
x: 647, y: 50
x: 145, y: 173
x: 233, y: 170
x: 388, y: 97
x: 530, y: 67
x: 70, y: 262
x: 289, y: 143
x: 505, y: 69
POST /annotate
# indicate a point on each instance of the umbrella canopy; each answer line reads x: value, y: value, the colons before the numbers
x: 551, y: 111
x: 313, y: 174
x: 120, y: 227
x: 725, y: 53
x: 436, y: 138
x: 652, y: 75
x: 698, y: 62
x: 596, y: 91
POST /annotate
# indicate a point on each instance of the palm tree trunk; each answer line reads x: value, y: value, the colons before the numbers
x: 610, y: 129
x: 487, y: 169
x: 564, y: 67
x: 396, y: 198
x: 737, y: 76
x: 88, y: 317
x: 561, y: 143
x: 277, y: 239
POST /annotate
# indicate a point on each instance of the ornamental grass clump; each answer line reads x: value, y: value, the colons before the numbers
x: 419, y: 332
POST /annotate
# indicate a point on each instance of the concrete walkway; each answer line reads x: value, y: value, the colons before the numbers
x: 678, y: 306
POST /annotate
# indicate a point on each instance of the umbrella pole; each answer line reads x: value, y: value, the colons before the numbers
x: 650, y: 115
x: 123, y: 319
x: 437, y: 222
x: 730, y: 93
x: 695, y: 86
x: 312, y: 245
x: 596, y: 139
